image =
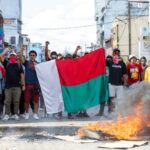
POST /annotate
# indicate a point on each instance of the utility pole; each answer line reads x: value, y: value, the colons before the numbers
x: 129, y: 26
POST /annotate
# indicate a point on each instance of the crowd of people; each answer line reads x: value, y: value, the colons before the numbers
x: 20, y: 89
x: 123, y: 74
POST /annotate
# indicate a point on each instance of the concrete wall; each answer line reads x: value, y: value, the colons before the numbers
x: 136, y: 24
x: 114, y: 8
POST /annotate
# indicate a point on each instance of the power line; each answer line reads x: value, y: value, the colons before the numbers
x: 78, y: 27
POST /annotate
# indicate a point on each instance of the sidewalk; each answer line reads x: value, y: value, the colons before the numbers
x: 38, y: 134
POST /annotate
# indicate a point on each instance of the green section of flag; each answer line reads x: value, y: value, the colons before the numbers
x: 86, y: 95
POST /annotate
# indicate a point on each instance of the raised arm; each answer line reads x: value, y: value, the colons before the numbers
x: 47, y: 57
x: 22, y: 81
x: 76, y: 50
x: 6, y: 50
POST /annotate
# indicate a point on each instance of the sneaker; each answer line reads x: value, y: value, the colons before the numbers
x: 26, y: 116
x: 1, y: 116
x: 85, y: 115
x: 35, y: 116
x: 80, y: 115
x: 99, y: 114
x: 12, y: 117
x: 16, y: 117
x: 6, y: 117
x: 56, y: 116
x: 22, y: 116
x: 70, y: 116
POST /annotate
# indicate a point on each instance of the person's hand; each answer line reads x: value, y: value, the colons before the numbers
x: 23, y: 88
x: 23, y: 47
x: 78, y: 47
x: 6, y: 50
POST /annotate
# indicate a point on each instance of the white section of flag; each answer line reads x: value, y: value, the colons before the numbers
x: 48, y: 77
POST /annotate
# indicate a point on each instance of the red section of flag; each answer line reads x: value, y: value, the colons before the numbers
x: 74, y: 72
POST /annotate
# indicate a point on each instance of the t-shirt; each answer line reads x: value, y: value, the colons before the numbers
x: 13, y: 77
x: 134, y: 73
x: 147, y: 74
x: 30, y: 73
x: 116, y: 72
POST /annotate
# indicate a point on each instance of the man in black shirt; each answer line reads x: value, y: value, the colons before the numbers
x: 14, y: 80
x: 117, y: 77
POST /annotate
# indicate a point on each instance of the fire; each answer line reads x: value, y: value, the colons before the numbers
x: 125, y: 128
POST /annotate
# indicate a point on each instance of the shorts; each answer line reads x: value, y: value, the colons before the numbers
x: 115, y: 90
x: 31, y: 93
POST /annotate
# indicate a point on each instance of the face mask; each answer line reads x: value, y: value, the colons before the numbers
x: 12, y: 59
x: 115, y: 59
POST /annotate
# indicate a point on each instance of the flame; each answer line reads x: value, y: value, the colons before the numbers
x: 125, y: 128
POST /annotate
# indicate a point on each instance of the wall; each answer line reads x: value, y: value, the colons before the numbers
x: 136, y: 24
x: 12, y: 13
x: 114, y: 8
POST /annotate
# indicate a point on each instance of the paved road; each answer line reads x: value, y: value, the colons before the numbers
x: 22, y: 135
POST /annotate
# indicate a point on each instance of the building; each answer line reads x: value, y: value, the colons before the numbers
x: 12, y: 13
x: 120, y: 34
x: 99, y: 11
x: 38, y: 48
x: 110, y: 10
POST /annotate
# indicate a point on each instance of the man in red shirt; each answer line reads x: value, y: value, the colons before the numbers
x: 134, y: 70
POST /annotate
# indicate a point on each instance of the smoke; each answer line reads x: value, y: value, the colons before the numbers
x: 136, y: 96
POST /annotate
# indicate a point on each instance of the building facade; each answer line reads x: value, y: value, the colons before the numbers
x: 12, y: 13
x: 120, y: 32
x: 109, y: 11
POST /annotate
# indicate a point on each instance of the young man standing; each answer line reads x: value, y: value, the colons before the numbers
x: 31, y: 82
x: 14, y: 81
x: 117, y: 78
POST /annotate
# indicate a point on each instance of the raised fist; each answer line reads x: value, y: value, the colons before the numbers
x: 47, y: 43
x: 78, y: 47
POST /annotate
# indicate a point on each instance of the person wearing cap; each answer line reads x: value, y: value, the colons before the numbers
x: 116, y: 51
x: 134, y: 70
x: 13, y: 84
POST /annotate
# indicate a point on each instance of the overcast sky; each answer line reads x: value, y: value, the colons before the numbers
x: 52, y: 15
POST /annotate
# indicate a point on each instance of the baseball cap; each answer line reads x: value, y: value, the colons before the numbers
x: 132, y: 56
x: 116, y: 50
x: 12, y: 53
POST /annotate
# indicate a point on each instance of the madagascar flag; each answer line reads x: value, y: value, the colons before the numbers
x: 75, y: 84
